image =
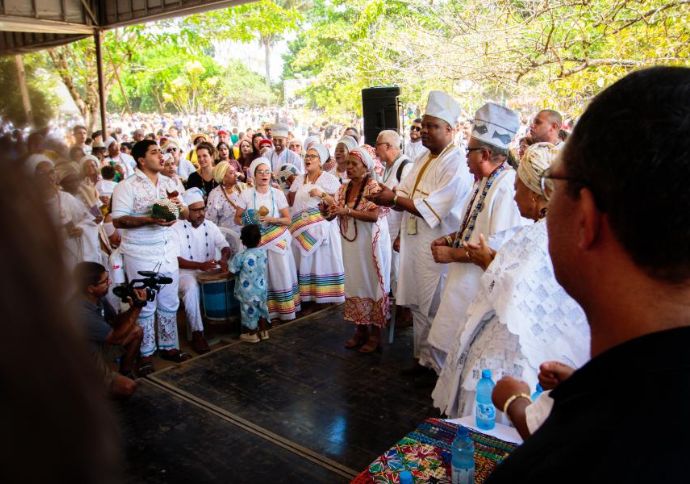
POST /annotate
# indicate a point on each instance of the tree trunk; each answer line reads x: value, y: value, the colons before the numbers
x: 267, y: 54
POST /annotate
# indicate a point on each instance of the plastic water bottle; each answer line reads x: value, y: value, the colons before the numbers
x: 462, y: 461
x: 537, y: 392
x: 485, y: 411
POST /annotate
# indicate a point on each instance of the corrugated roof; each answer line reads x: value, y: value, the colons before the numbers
x: 27, y: 25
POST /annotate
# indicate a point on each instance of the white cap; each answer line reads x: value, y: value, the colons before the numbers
x: 193, y: 195
x: 441, y: 105
x: 109, y: 141
x: 495, y: 125
x: 279, y: 130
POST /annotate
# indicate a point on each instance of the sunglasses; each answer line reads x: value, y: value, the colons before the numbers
x: 171, y: 150
x: 415, y: 128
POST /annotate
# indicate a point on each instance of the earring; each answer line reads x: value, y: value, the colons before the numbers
x: 542, y: 213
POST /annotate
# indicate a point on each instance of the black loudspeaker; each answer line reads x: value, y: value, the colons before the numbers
x: 380, y: 111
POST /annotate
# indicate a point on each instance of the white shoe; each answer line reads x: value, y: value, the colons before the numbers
x: 263, y: 334
x: 249, y: 338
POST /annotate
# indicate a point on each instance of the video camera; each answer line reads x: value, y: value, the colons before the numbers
x: 151, y: 281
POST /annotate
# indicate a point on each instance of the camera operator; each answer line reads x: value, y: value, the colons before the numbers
x: 109, y: 334
x: 148, y: 244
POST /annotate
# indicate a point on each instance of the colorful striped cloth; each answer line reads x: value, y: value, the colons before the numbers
x: 426, y: 453
x: 284, y: 302
x: 320, y: 286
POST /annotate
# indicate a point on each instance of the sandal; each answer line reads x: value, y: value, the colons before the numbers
x: 373, y: 343
x: 176, y: 356
x: 359, y: 338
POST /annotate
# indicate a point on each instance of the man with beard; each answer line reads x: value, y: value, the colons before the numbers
x: 415, y: 148
x: 280, y: 155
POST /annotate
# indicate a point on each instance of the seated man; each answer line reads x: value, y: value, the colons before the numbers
x: 110, y: 334
x: 198, y: 240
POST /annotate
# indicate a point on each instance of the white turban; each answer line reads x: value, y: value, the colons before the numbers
x: 537, y: 158
x: 279, y: 130
x: 324, y: 155
x: 255, y: 164
x: 90, y: 158
x: 363, y: 155
x: 193, y: 195
x: 349, y: 142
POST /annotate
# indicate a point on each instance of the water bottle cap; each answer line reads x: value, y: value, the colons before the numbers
x: 405, y: 477
x: 462, y: 432
x: 486, y: 374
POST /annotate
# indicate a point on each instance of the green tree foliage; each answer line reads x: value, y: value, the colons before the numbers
x: 42, y: 101
x: 557, y: 53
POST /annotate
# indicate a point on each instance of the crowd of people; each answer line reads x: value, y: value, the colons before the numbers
x: 541, y: 260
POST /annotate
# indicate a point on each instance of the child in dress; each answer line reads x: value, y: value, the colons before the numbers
x: 249, y: 266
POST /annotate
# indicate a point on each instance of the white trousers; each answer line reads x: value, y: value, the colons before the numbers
x: 421, y: 324
x: 163, y: 308
x: 189, y: 294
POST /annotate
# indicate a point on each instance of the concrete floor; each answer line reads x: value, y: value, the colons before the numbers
x: 295, y: 408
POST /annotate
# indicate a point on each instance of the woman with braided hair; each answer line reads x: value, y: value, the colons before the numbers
x: 366, y: 251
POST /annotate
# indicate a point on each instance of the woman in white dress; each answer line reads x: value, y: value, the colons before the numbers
x: 223, y: 201
x: 342, y: 149
x: 267, y: 206
x: 315, y: 240
x: 366, y: 252
x: 521, y: 316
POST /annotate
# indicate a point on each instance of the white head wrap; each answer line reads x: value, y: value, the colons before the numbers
x: 109, y: 141
x: 255, y: 164
x: 309, y: 140
x: 171, y: 142
x: 324, y: 155
x: 349, y: 142
x: 441, y: 105
x: 33, y: 161
x: 90, y: 158
x: 495, y: 125
x: 537, y: 158
x: 364, y: 156
x: 193, y: 195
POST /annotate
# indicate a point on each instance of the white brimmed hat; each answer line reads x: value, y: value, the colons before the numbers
x: 495, y: 125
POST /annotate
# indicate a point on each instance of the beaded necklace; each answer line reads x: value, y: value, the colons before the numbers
x: 467, y: 226
x: 189, y: 242
x: 365, y: 180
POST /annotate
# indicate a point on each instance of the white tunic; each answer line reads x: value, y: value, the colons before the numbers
x: 221, y: 211
x: 201, y: 243
x: 415, y: 150
x: 520, y: 318
x: 500, y: 213
x: 439, y: 197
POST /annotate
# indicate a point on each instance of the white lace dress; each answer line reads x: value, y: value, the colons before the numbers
x: 520, y: 318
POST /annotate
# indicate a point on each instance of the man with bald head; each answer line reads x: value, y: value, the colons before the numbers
x: 431, y: 199
x: 545, y: 127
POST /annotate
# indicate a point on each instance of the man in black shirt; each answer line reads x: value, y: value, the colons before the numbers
x: 109, y: 334
x: 619, y: 238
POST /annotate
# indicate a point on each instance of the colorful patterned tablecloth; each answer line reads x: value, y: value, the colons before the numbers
x: 425, y: 452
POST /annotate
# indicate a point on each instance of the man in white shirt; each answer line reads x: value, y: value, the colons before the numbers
x: 280, y: 155
x: 431, y: 199
x: 149, y: 244
x: 79, y: 133
x: 414, y: 148
x: 198, y: 241
x: 397, y: 166
x: 490, y: 211
x: 117, y: 158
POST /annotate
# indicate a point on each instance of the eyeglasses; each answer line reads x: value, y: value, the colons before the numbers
x: 263, y: 172
x: 104, y: 281
x: 311, y: 157
x: 171, y: 150
x: 547, y: 188
x: 415, y: 128
x: 470, y: 150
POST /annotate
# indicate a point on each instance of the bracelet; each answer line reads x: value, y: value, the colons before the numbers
x: 395, y: 200
x: 513, y: 398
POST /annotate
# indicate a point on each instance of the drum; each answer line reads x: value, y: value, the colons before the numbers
x: 218, y: 301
